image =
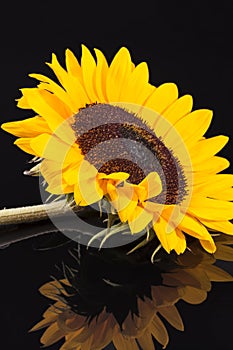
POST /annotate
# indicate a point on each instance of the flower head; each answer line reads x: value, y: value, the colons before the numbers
x: 104, y: 132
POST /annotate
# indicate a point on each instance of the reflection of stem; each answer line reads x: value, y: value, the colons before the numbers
x: 33, y: 213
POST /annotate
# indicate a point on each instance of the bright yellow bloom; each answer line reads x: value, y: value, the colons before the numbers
x: 104, y: 131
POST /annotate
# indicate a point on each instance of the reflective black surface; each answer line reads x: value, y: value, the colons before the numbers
x: 189, y: 44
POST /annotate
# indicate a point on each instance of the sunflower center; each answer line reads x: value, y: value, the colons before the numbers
x: 116, y: 140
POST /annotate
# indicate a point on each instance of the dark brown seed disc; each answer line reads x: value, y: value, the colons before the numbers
x: 115, y: 140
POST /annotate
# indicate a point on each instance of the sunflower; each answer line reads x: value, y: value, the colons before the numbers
x: 105, y: 297
x: 102, y: 132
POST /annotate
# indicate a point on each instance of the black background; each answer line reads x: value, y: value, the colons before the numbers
x: 187, y: 43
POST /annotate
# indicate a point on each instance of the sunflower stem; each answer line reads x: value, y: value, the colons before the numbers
x: 32, y: 213
x: 17, y: 224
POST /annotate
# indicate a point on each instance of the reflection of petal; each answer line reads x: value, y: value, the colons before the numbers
x: 52, y: 335
x: 159, y: 331
x: 193, y: 295
x: 44, y: 323
x: 103, y: 333
x: 163, y: 296
x: 68, y: 321
x: 189, y: 277
x: 171, y: 314
x: 224, y: 253
x: 216, y: 274
x: 188, y: 280
x: 122, y: 343
x: 146, y: 340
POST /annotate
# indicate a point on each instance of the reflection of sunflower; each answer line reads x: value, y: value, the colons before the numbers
x: 111, y: 297
x: 105, y: 131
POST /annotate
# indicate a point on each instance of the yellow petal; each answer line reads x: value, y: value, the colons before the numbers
x: 25, y: 145
x: 27, y: 128
x: 207, y: 148
x: 42, y: 103
x: 71, y: 84
x: 219, y: 226
x: 152, y: 184
x: 88, y: 70
x: 53, y: 174
x: 124, y: 201
x: 181, y: 242
x: 72, y: 65
x: 101, y: 75
x: 179, y: 109
x: 209, y: 245
x: 161, y: 99
x: 63, y: 108
x: 139, y: 219
x: 193, y: 126
x: 211, y: 209
x: 168, y: 237
x: 70, y: 174
x: 137, y: 89
x: 59, y: 71
x: 22, y: 102
x: 118, y: 74
x: 194, y: 228
x: 73, y: 155
x: 92, y: 195
x: 49, y: 147
x: 57, y: 187
x: 226, y: 194
x: 87, y: 189
x: 215, y: 185
x: 67, y: 107
x: 118, y: 176
x: 220, y: 179
x: 213, y: 165
x: 109, y: 184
